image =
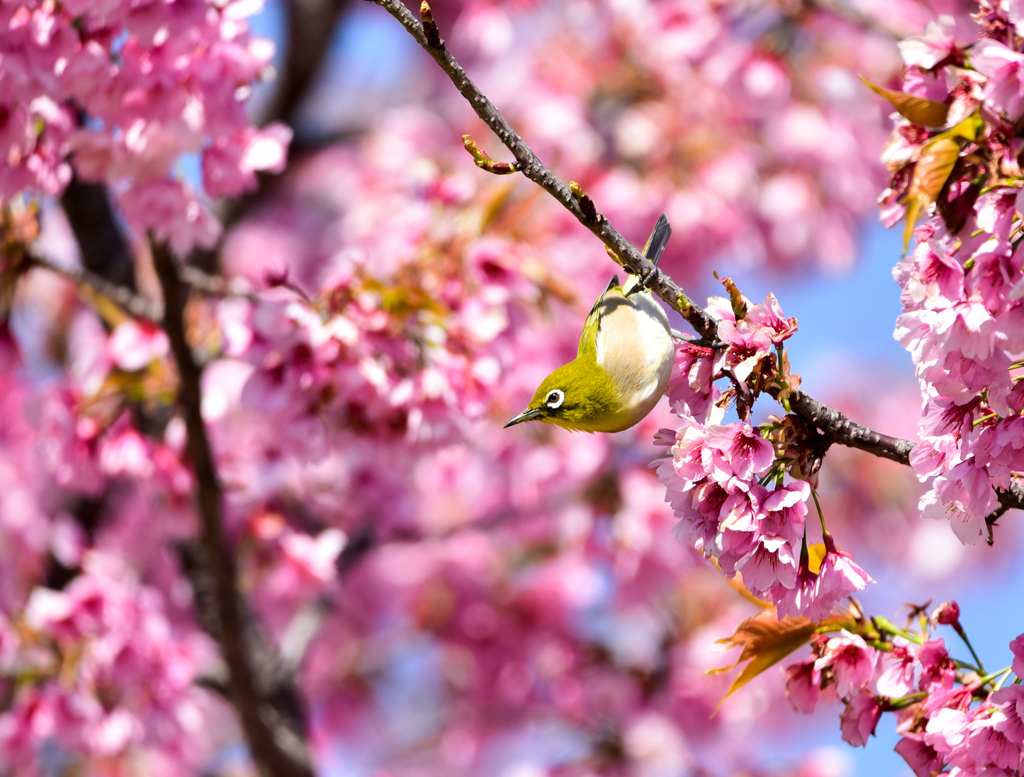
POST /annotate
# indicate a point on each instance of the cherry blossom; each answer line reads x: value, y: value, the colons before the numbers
x: 119, y: 92
x: 860, y: 718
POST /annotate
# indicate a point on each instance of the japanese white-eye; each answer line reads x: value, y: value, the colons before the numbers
x: 623, y: 363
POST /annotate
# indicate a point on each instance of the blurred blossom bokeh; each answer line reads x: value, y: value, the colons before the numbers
x: 488, y: 602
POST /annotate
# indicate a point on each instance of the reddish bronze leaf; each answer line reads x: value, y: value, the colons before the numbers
x: 765, y: 641
x: 935, y: 163
x: 919, y: 110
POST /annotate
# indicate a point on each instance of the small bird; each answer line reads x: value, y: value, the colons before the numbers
x: 623, y: 363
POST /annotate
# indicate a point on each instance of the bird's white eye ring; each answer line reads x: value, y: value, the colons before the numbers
x: 555, y: 399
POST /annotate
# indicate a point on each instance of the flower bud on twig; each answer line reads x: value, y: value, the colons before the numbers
x: 484, y: 162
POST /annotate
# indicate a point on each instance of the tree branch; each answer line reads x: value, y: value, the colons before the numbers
x: 213, y: 285
x: 530, y: 166
x: 836, y: 427
x: 134, y: 304
x: 311, y: 25
x: 263, y: 691
x: 105, y: 252
x: 277, y: 748
x: 840, y: 429
x: 273, y: 677
x: 130, y: 302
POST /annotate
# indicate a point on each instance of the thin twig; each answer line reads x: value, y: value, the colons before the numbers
x: 133, y: 304
x: 530, y: 166
x: 974, y: 654
x: 212, y: 285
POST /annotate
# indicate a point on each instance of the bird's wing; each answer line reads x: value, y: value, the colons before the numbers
x: 588, y: 338
x: 614, y: 295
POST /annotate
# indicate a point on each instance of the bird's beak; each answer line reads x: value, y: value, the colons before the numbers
x: 526, y: 415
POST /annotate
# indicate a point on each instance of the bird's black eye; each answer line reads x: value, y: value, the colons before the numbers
x: 555, y: 399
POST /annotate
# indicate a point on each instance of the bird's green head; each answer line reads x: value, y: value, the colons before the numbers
x: 577, y: 396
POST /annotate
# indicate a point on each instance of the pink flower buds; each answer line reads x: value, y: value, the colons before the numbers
x: 947, y: 614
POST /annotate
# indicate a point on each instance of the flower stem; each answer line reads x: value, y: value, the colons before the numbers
x: 1003, y: 674
x: 886, y: 625
x: 905, y: 701
x: 983, y: 419
x: 963, y: 636
x: 821, y: 515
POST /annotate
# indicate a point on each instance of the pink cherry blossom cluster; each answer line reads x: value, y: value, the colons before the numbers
x: 354, y: 364
x: 123, y: 89
x: 713, y: 476
x: 518, y: 636
x: 98, y: 654
x: 962, y: 284
x: 42, y: 457
x: 948, y: 716
x: 725, y: 482
x: 99, y: 670
x: 751, y: 334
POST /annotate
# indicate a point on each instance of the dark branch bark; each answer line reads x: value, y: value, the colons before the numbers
x: 105, y: 252
x: 840, y: 429
x: 272, y: 676
x: 265, y: 697
x: 261, y: 687
x: 837, y: 427
x: 311, y: 25
x: 135, y: 305
x: 277, y: 748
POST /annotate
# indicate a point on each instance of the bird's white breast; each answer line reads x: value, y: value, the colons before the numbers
x: 634, y: 346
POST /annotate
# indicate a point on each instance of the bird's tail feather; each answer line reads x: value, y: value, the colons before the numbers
x: 652, y: 251
x: 658, y: 240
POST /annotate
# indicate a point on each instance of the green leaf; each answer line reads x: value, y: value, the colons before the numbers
x: 968, y: 128
x: 919, y: 110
